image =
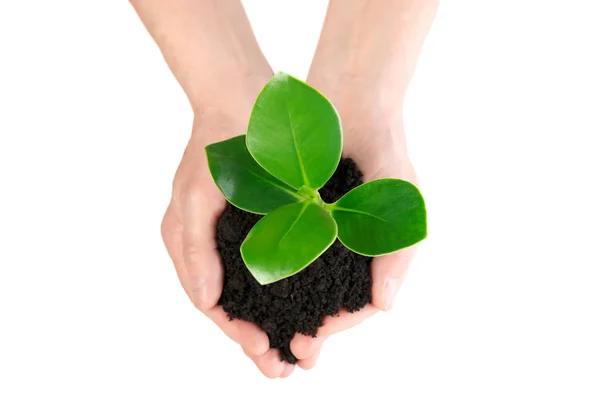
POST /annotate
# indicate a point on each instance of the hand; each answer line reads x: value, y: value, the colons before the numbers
x: 374, y: 138
x: 188, y: 231
x: 363, y: 64
x: 211, y: 50
x: 377, y: 146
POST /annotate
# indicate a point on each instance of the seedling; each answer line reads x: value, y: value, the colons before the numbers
x: 291, y: 149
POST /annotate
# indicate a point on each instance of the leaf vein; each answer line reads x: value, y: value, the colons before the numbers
x: 362, y: 213
x: 293, y: 224
x: 304, y: 177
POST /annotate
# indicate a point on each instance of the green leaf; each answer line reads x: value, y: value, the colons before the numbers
x: 380, y: 217
x: 242, y: 181
x: 287, y: 240
x: 295, y: 133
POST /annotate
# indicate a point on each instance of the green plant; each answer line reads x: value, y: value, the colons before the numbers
x: 292, y: 147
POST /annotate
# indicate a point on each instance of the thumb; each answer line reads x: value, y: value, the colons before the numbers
x: 204, y: 271
x: 388, y: 274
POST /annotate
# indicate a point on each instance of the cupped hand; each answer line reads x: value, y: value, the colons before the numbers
x: 376, y: 142
x: 188, y: 231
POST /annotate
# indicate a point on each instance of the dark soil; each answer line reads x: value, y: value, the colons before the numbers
x: 338, y: 279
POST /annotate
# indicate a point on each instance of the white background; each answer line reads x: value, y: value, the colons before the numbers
x: 500, y: 312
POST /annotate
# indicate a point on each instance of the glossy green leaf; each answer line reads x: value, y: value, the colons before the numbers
x: 287, y: 240
x: 295, y: 133
x: 242, y: 181
x: 380, y: 217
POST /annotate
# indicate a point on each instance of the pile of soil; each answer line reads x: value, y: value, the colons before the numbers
x: 338, y: 279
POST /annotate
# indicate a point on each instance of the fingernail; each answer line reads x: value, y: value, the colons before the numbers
x: 390, y: 290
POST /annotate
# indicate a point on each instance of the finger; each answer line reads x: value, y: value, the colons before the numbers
x: 269, y: 363
x: 200, y: 255
x: 310, y: 362
x: 248, y: 335
x: 304, y: 346
x: 288, y: 369
x: 253, y: 340
x: 172, y: 234
x: 345, y: 320
x: 389, y: 272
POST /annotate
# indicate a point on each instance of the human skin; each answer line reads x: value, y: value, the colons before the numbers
x: 364, y: 61
x: 363, y: 64
x: 210, y: 48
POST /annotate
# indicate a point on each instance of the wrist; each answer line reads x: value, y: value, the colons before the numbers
x: 368, y: 51
x: 227, y: 92
x: 222, y: 109
x: 358, y: 96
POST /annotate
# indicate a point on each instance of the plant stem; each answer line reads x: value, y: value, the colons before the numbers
x: 311, y: 194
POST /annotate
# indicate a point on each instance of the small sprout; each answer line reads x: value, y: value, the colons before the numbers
x: 292, y: 148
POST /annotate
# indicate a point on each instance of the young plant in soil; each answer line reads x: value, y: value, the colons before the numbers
x: 292, y: 148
